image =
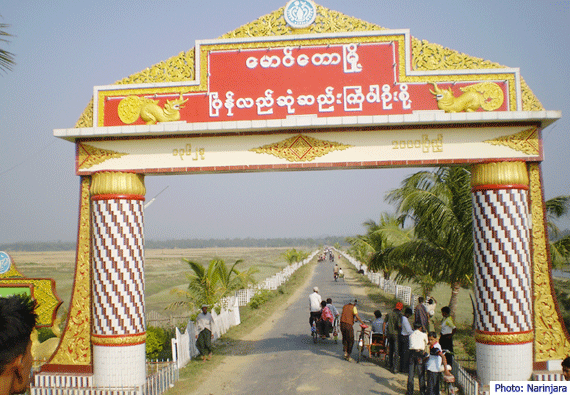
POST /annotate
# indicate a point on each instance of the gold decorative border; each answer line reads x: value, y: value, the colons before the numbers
x: 113, y: 341
x: 525, y: 141
x: 425, y: 56
x: 75, y: 344
x: 300, y: 148
x: 43, y: 291
x: 551, y: 340
x: 504, y: 338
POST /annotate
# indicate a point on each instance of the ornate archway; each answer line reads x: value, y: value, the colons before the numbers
x: 336, y: 92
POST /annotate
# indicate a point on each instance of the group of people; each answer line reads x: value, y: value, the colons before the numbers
x: 413, y: 345
x: 322, y: 312
x: 325, y: 317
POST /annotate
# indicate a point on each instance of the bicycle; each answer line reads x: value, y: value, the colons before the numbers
x: 448, y: 380
x: 363, y: 340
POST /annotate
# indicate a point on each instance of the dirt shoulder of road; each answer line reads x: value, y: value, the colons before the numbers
x: 233, y: 352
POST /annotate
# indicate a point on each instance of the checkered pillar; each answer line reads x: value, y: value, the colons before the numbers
x: 118, y: 333
x: 502, y: 258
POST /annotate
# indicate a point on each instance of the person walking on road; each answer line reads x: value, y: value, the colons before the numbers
x: 314, y: 306
x: 347, y: 318
x: 205, y: 327
x: 392, y: 328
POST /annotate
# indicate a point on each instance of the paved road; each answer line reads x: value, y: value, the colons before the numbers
x: 286, y: 361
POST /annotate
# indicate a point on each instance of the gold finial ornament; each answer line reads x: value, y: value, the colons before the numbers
x: 499, y: 173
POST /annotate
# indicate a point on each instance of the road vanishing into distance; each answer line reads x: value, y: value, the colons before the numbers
x: 284, y: 360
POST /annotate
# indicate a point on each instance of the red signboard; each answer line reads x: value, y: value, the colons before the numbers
x: 275, y: 79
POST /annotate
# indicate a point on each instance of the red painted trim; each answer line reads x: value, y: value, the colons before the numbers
x: 54, y: 368
x: 113, y: 196
x: 497, y: 187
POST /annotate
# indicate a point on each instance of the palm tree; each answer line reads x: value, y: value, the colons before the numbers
x: 208, y: 285
x: 6, y: 58
x: 556, y: 208
x: 439, y: 204
x: 292, y: 255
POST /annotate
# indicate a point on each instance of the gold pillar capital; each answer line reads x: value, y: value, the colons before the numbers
x: 117, y: 183
x: 499, y: 173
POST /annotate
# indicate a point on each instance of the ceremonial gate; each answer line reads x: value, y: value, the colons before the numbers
x: 308, y: 93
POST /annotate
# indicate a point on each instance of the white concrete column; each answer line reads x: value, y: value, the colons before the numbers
x: 118, y: 333
x: 503, y: 279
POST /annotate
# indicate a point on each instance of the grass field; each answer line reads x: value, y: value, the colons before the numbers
x: 164, y: 268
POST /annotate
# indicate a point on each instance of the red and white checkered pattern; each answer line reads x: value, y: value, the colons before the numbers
x: 502, y: 260
x: 118, y: 267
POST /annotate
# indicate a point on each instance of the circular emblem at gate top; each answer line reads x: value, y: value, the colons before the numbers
x: 300, y: 13
x: 5, y: 262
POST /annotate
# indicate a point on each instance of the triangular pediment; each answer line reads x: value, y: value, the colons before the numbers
x: 426, y: 56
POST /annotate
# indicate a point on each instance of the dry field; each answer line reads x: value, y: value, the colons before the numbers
x: 164, y: 268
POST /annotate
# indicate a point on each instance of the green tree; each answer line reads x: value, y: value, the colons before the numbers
x: 6, y: 58
x: 557, y: 208
x: 208, y: 285
x: 293, y: 256
x: 439, y: 205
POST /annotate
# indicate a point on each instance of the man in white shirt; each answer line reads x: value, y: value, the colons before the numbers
x: 314, y: 305
x: 204, y: 327
x: 418, y: 352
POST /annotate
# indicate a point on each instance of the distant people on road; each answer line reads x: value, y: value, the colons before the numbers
x: 448, y: 329
x: 335, y: 271
x: 421, y: 315
x: 392, y: 328
x: 326, y: 321
x: 404, y: 340
x: 17, y: 321
x: 566, y: 368
x: 332, y: 308
x: 205, y: 328
x: 378, y: 323
x: 347, y: 318
x: 314, y: 306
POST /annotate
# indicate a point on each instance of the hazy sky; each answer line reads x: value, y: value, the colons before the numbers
x: 64, y: 48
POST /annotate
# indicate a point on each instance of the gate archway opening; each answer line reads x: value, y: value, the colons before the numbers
x: 297, y: 98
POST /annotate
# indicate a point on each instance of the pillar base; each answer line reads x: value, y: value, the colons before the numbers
x: 504, y: 362
x: 119, y: 366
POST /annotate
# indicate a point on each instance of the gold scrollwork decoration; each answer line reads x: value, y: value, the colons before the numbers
x: 300, y: 148
x: 75, y: 345
x: 88, y: 155
x: 525, y: 141
x: 551, y: 339
x: 504, y: 338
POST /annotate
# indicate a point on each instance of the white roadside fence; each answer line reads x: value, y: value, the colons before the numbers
x: 184, y: 345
